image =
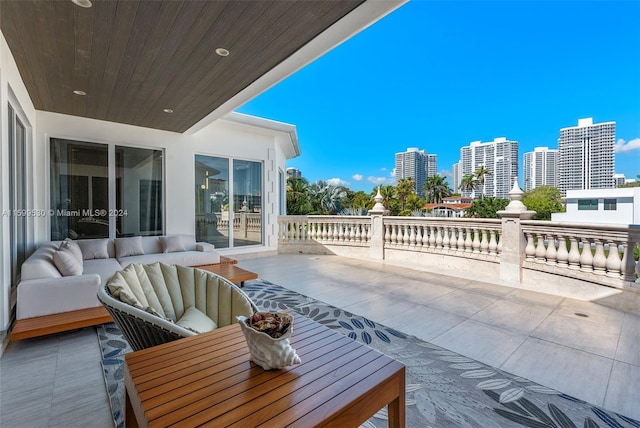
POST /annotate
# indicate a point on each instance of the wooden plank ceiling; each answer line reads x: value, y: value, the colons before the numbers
x: 136, y: 58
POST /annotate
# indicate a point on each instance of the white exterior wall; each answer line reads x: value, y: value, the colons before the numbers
x: 12, y: 91
x: 627, y: 207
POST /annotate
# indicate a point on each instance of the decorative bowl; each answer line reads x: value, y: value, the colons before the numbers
x: 265, y: 350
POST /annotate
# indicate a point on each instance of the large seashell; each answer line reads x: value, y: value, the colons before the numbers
x: 267, y: 352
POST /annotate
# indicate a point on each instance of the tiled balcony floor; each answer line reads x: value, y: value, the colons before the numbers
x: 57, y: 381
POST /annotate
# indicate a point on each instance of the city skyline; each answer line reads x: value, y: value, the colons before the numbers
x: 440, y: 75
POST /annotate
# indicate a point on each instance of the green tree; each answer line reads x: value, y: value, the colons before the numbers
x: 436, y: 188
x: 468, y: 183
x: 544, y: 200
x: 404, y: 188
x: 324, y: 197
x: 297, y: 196
x: 486, y: 207
x: 389, y: 199
x: 480, y: 176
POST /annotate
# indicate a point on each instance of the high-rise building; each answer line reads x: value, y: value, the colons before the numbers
x: 499, y: 157
x: 457, y: 177
x: 540, y: 168
x: 432, y: 165
x: 412, y: 164
x: 294, y: 172
x: 586, y: 156
x: 619, y: 180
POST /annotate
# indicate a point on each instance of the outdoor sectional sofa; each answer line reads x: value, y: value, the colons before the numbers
x: 60, y: 280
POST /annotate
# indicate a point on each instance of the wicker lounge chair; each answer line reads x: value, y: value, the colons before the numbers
x: 149, y: 303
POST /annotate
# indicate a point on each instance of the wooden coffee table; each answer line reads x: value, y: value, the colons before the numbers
x: 208, y: 380
x: 231, y: 272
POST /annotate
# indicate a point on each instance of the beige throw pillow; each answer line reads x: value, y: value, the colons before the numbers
x: 171, y: 244
x: 195, y: 320
x: 94, y: 248
x: 67, y: 262
x: 126, y: 247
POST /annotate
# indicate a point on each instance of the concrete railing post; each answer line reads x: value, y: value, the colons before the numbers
x: 512, y: 238
x: 376, y: 245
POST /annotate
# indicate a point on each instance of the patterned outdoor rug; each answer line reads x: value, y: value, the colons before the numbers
x: 444, y: 389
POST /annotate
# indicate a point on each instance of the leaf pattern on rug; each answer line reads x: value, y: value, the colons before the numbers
x: 443, y: 388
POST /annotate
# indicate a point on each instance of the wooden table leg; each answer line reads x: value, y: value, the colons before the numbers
x: 396, y: 409
x: 130, y: 420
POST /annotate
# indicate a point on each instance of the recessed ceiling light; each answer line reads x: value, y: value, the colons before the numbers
x: 80, y: 92
x: 222, y: 52
x: 168, y: 110
x: 82, y: 3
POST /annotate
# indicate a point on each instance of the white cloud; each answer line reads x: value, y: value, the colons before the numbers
x: 383, y: 169
x: 380, y: 180
x: 446, y: 173
x: 357, y: 177
x: 626, y: 146
x: 337, y: 182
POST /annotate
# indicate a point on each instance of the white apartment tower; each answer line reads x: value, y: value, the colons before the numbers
x: 586, y: 156
x: 500, y: 157
x: 540, y: 168
x: 432, y: 165
x: 412, y: 164
x: 457, y: 177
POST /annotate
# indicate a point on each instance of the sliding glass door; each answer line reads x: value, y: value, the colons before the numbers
x: 17, y: 195
x: 83, y: 179
x: 228, y: 201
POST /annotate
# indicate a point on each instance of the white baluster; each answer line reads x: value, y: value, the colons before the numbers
x: 453, y: 241
x: 405, y: 236
x: 468, y: 242
x: 613, y: 261
x: 574, y: 253
x: 460, y: 239
x: 586, y: 257
x: 541, y: 251
x: 358, y: 236
x: 563, y: 254
x: 628, y: 261
x: 476, y: 241
x: 599, y: 259
x: 412, y: 235
x: 438, y: 237
x: 419, y: 236
x: 551, y: 253
x: 432, y: 237
x: 445, y: 238
x: 394, y: 235
x: 493, y: 245
x: 530, y: 249
x: 484, y: 243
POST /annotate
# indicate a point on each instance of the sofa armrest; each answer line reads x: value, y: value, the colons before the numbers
x: 46, y: 296
x: 205, y: 247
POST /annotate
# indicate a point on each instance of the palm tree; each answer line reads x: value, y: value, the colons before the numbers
x: 404, y: 188
x: 436, y: 188
x: 480, y: 175
x: 325, y: 198
x: 468, y: 183
x: 297, y: 196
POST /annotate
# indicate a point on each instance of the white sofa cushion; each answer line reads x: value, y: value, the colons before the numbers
x: 67, y: 261
x: 55, y: 295
x: 128, y: 246
x: 171, y: 244
x: 196, y: 320
x: 185, y: 258
x: 105, y: 268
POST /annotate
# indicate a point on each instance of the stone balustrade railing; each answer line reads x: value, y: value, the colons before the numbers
x: 577, y: 249
x: 452, y: 236
x: 481, y: 239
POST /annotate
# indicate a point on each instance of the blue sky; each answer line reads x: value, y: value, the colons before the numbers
x: 439, y: 74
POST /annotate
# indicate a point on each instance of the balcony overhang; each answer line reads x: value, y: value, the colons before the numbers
x: 136, y: 60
